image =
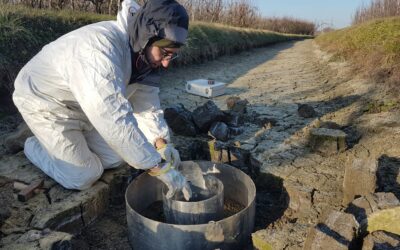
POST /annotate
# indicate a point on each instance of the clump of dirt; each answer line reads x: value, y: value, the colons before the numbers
x: 232, y: 207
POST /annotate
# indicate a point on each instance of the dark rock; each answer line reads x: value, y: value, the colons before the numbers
x: 266, y: 122
x: 336, y: 231
x: 353, y: 135
x: 327, y: 141
x: 5, y: 213
x: 236, y: 104
x: 180, y: 120
x: 192, y: 148
x: 359, y: 178
x: 330, y: 125
x: 206, y: 115
x: 239, y: 158
x: 362, y: 207
x: 15, y: 141
x: 219, y: 131
x: 306, y: 111
x: 255, y: 166
x: 235, y: 131
x: 219, y: 152
x: 388, y: 175
x: 381, y: 240
x: 232, y: 119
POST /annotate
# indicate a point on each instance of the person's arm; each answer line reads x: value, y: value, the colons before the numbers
x: 147, y: 111
x: 95, y: 80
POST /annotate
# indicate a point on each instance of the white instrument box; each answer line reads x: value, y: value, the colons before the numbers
x: 205, y: 87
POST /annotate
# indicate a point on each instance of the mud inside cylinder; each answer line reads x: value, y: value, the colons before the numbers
x: 205, y: 204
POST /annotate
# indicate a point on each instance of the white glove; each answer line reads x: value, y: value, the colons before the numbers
x: 170, y: 154
x: 174, y: 180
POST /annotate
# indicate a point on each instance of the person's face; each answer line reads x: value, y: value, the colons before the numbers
x: 158, y: 57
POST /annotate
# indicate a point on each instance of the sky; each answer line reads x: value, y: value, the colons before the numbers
x: 333, y: 13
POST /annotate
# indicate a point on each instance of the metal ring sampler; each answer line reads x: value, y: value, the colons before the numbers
x: 232, y: 232
x: 206, y: 204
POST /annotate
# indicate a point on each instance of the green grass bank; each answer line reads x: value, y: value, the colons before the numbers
x: 373, y: 47
x: 24, y: 31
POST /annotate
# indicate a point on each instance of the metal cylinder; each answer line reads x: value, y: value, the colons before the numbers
x: 204, y: 206
x: 231, y: 232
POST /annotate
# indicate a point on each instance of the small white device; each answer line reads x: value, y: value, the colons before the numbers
x: 205, y: 87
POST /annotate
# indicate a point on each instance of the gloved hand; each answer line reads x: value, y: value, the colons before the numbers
x: 170, y: 154
x: 174, y: 180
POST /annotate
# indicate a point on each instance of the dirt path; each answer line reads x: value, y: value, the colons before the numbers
x: 297, y: 186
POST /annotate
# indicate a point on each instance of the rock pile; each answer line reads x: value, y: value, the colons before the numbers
x: 221, y: 126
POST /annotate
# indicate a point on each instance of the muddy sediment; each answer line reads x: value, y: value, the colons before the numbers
x: 155, y: 210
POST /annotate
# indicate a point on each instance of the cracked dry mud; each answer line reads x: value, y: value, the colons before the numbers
x: 296, y: 186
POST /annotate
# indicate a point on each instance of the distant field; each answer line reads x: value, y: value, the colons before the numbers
x: 374, y: 47
x: 23, y: 31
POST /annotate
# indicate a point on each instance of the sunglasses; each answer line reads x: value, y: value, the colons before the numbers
x: 168, y: 56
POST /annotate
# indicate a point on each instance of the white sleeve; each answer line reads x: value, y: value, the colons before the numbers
x: 148, y: 113
x: 96, y: 82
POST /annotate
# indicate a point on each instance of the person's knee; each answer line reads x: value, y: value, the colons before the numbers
x: 84, y: 180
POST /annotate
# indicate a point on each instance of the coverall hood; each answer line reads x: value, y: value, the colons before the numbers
x: 164, y: 19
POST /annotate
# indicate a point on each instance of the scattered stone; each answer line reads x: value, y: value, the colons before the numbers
x: 17, y: 167
x: 306, y: 111
x: 388, y: 175
x: 359, y: 178
x: 206, y: 115
x: 219, y: 152
x: 381, y: 240
x: 235, y: 131
x: 196, y: 148
x: 266, y: 122
x: 336, y: 231
x: 219, y: 131
x: 180, y: 120
x: 75, y: 212
x: 15, y: 141
x: 236, y: 104
x: 300, y: 199
x: 35, y: 239
x: 353, y: 136
x: 277, y: 237
x: 233, y: 119
x: 386, y: 220
x: 330, y: 125
x: 239, y: 158
x: 362, y: 207
x: 56, y: 240
x: 327, y: 141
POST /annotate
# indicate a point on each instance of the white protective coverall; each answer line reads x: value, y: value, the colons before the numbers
x: 74, y: 95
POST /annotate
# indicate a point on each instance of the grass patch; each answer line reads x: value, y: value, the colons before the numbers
x: 24, y: 31
x: 374, y: 107
x: 373, y: 47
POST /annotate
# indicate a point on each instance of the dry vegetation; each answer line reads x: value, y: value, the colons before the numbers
x: 239, y: 13
x: 377, y: 9
x: 372, y: 43
x: 373, y: 47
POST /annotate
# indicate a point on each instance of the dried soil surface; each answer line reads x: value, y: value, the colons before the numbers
x: 296, y: 186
